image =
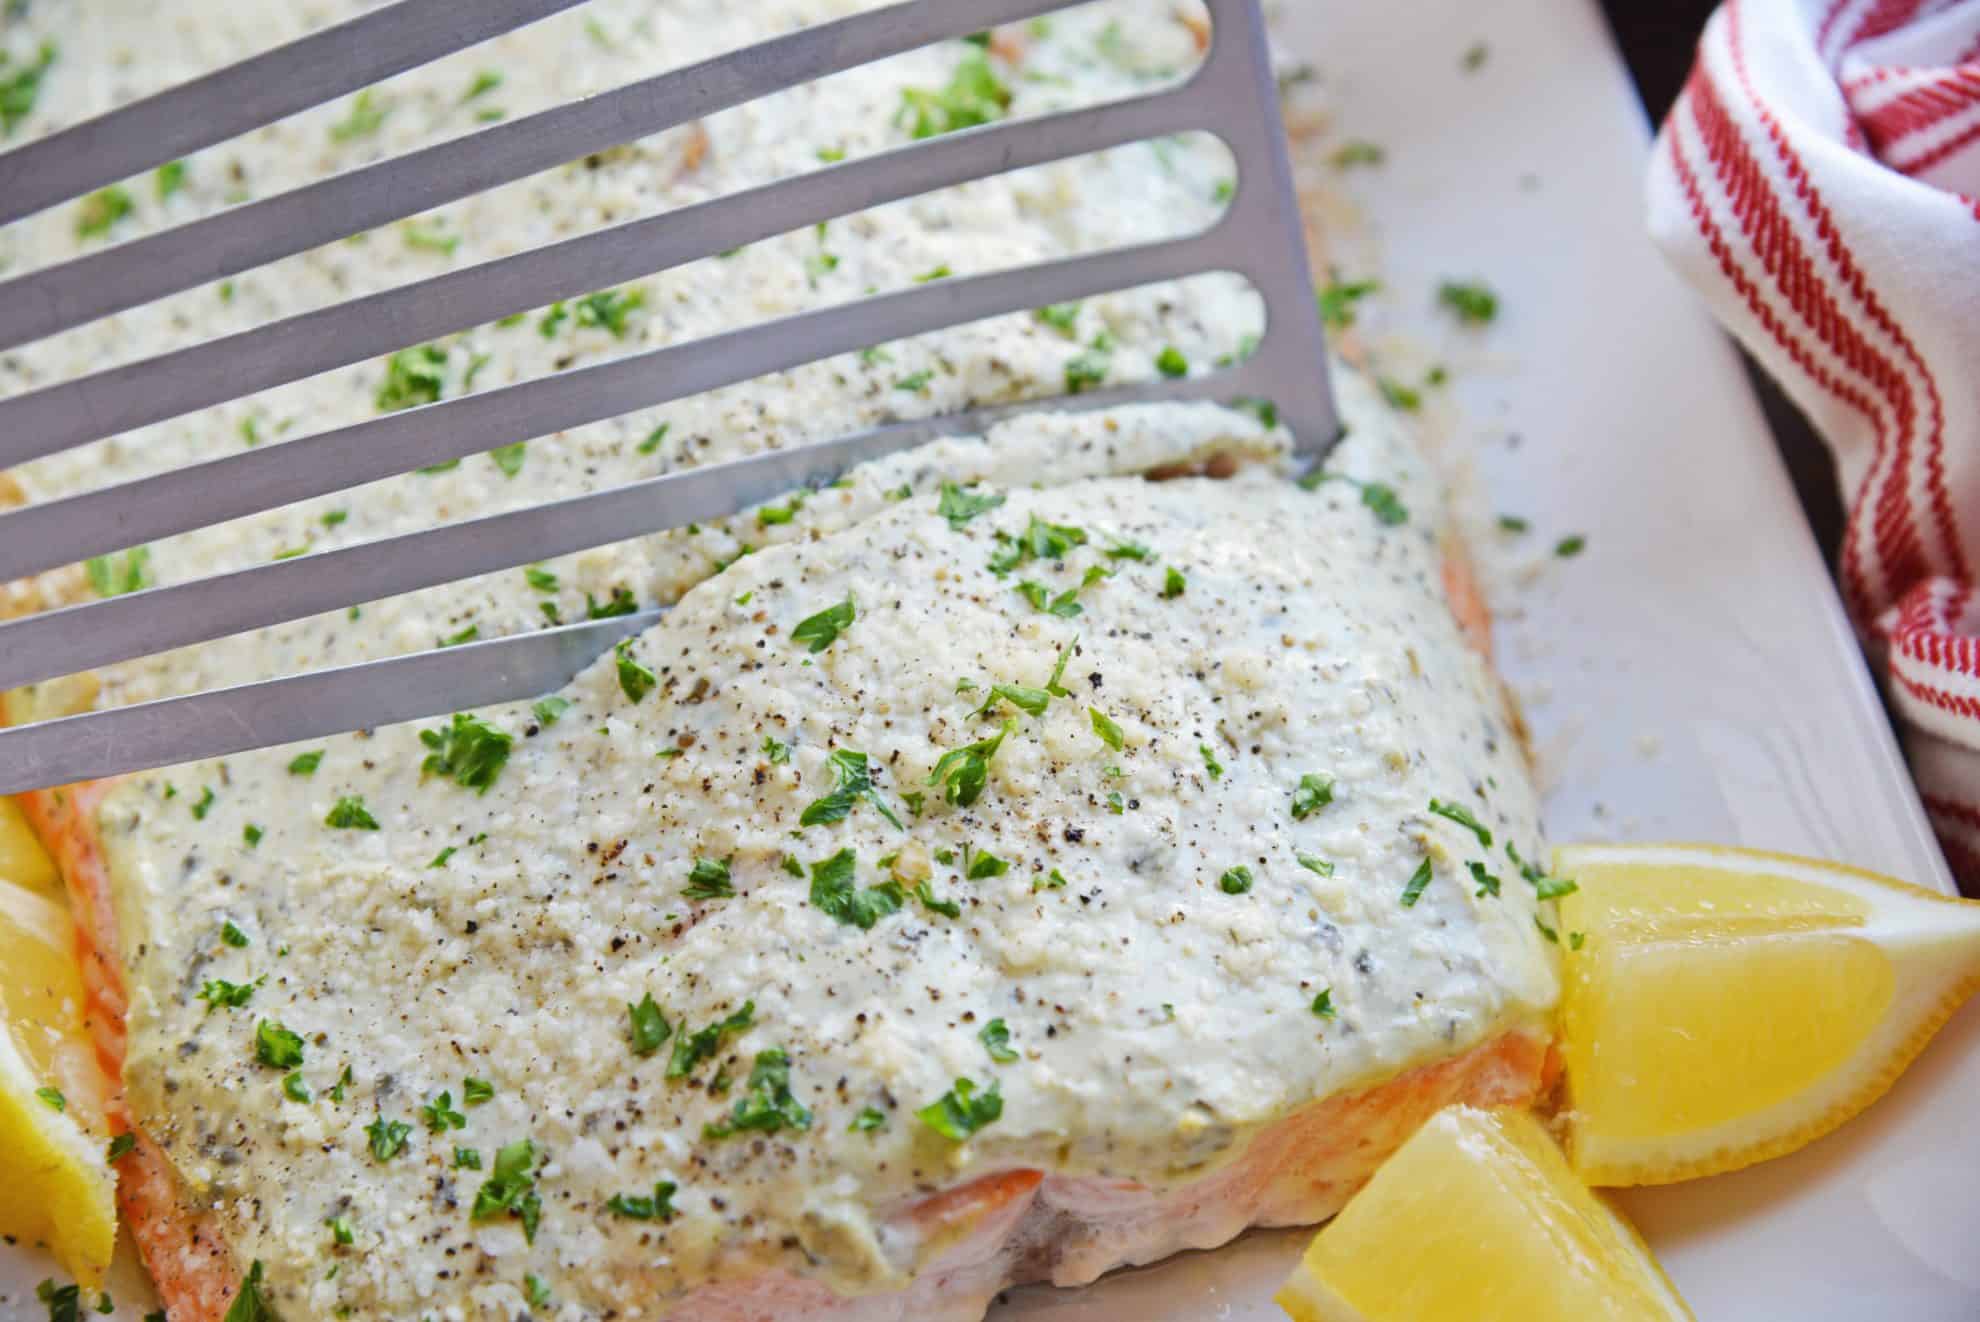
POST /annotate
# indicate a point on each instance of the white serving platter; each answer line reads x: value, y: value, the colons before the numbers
x: 1690, y: 676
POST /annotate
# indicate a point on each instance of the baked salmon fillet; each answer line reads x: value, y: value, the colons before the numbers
x: 1005, y: 885
x: 997, y: 867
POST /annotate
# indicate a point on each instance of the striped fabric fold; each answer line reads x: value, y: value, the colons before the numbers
x: 1818, y: 181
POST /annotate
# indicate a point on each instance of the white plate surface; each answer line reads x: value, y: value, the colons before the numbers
x: 1690, y: 676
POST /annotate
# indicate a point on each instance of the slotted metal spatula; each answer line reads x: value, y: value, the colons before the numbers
x: 1233, y: 95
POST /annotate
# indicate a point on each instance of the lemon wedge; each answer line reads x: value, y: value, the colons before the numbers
x: 1478, y: 1219
x: 1726, y: 1006
x: 60, y: 1191
x: 22, y: 859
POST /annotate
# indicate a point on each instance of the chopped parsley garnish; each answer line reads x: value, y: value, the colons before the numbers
x: 1103, y: 725
x: 107, y: 578
x: 476, y: 1091
x: 536, y: 1290
x: 170, y: 178
x: 963, y: 772
x: 232, y: 935
x: 1570, y: 546
x: 771, y: 515
x: 792, y: 866
x: 295, y: 1088
x: 1358, y: 152
x: 1413, y: 889
x: 974, y: 95
x: 305, y: 764
x: 961, y: 1111
x: 340, y: 1230
x: 470, y: 750
x: 412, y: 377
x: 1337, y: 300
x: 1051, y: 881
x: 855, y: 782
x: 511, y: 1188
x: 1088, y: 368
x: 440, y: 1115
x: 277, y: 1047
x: 833, y: 890
x: 1129, y: 549
x: 622, y: 603
x: 485, y: 80
x: 996, y: 1039
x: 650, y: 1028
x: 467, y: 1159
x: 1546, y: 931
x: 121, y: 1146
x: 249, y: 1305
x: 1210, y: 762
x: 691, y: 1049
x: 350, y: 814
x: 1405, y: 398
x: 610, y: 309
x: 1059, y: 669
x: 820, y: 631
x: 1462, y: 816
x: 509, y: 458
x: 204, y: 804
x: 933, y: 903
x: 1235, y: 881
x: 548, y: 710
x: 1065, y: 605
x: 915, y: 382
x: 1314, y: 793
x: 1061, y: 317
x: 959, y: 505
x: 1173, y: 583
x: 1474, y: 303
x: 929, y: 277
x: 1475, y: 56
x: 768, y: 1105
x: 709, y: 880
x: 638, y: 1207
x: 440, y: 859
x: 336, y: 1093
x: 1029, y: 700
x: 1386, y: 504
x: 429, y: 238
x: 1039, y: 541
x: 653, y: 438
x: 1487, y: 883
x: 19, y: 88
x: 364, y: 119
x: 1171, y: 363
x: 251, y: 834
x: 1513, y: 523
x: 1323, y: 1004
x: 979, y: 865
x: 777, y: 751
x: 52, y: 1098
x: 635, y: 680
x: 868, y: 1120
x: 220, y: 994
x: 102, y: 209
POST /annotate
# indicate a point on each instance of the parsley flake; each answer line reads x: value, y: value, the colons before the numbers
x: 470, y: 751
x: 854, y: 782
x: 219, y: 994
x: 277, y: 1047
x: 833, y: 891
x: 691, y: 1049
x: 305, y: 764
x: 52, y: 1098
x: 869, y: 1120
x: 650, y: 1028
x: 959, y: 505
x: 1315, y: 792
x: 996, y: 1039
x: 1337, y: 300
x: 1472, y: 301
x: 440, y: 1115
x: 961, y: 1112
x: 963, y: 772
x: 1110, y: 733
x: 638, y: 1207
x: 768, y: 1105
x: 974, y: 95
x: 1413, y: 889
x: 635, y: 680
x: 820, y: 631
x: 1235, y: 881
x: 350, y: 814
x: 1323, y: 1004
x: 1462, y: 816
x: 1173, y: 583
x: 709, y: 880
x: 510, y: 1188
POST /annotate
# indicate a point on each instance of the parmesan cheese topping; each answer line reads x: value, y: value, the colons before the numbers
x: 995, y: 808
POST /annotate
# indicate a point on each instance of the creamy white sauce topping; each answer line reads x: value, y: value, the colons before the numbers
x: 1155, y: 1017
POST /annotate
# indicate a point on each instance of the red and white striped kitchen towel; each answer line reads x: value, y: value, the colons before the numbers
x: 1819, y: 182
